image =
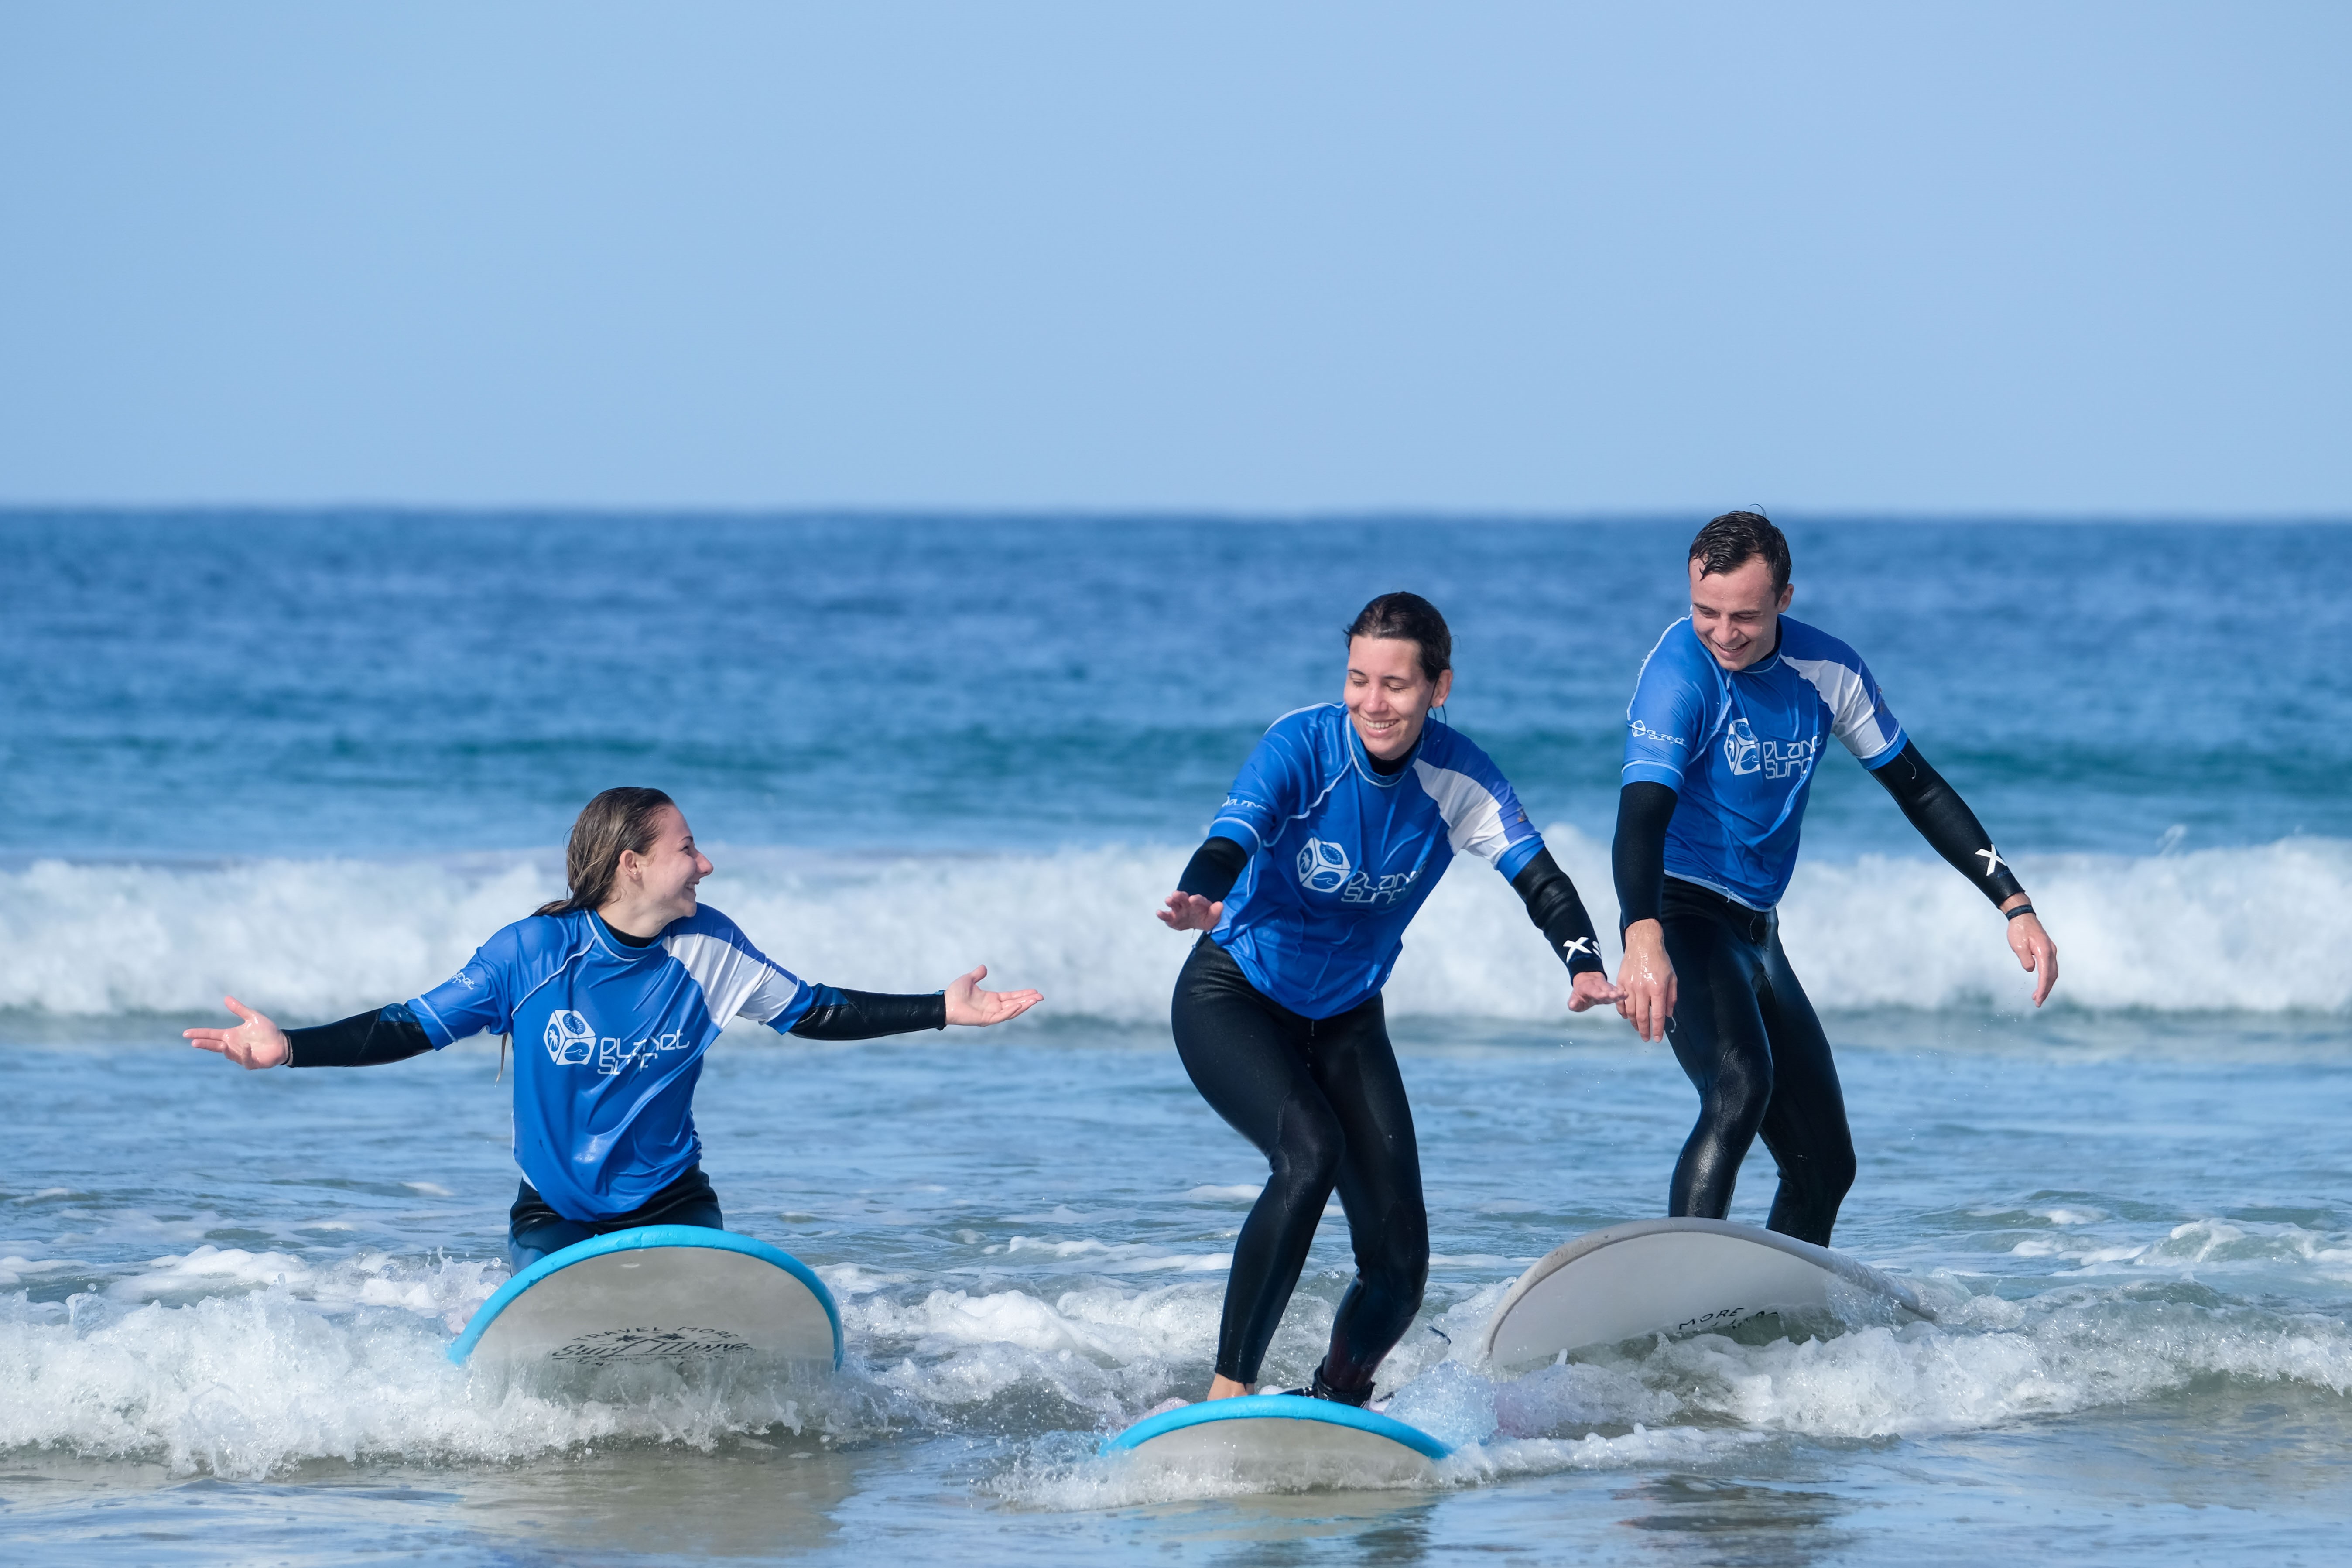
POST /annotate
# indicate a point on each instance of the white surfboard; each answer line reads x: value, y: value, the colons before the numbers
x: 1284, y: 1441
x: 1672, y: 1277
x: 660, y: 1292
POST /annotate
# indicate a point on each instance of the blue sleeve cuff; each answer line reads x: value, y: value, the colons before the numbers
x: 1653, y: 773
x: 1240, y: 831
x: 1893, y: 749
x: 799, y: 1007
x: 425, y: 1018
x: 1515, y: 858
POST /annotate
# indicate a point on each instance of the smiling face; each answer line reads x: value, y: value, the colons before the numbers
x: 1737, y: 614
x: 1389, y: 697
x: 658, y: 885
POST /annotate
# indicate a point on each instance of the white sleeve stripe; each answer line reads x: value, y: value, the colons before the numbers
x: 732, y: 980
x: 1852, y: 715
x: 1474, y: 817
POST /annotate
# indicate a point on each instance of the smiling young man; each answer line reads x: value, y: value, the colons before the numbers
x: 1728, y: 722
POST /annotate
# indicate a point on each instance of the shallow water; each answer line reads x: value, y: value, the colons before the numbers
x: 234, y: 1335
x: 225, y: 1298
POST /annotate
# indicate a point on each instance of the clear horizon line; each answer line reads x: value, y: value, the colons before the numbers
x: 13, y: 511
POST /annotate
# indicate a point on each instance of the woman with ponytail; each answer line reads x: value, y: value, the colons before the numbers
x: 613, y: 993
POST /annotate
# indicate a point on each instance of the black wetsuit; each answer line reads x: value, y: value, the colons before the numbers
x: 1743, y: 1029
x: 1322, y: 1098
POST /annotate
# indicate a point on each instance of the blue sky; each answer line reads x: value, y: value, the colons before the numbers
x: 1528, y: 258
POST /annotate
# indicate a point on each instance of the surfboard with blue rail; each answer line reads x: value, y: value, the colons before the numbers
x: 658, y: 1293
x: 1284, y: 1441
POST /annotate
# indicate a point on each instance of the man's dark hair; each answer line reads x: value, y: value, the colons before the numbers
x: 1735, y: 539
x: 1408, y: 617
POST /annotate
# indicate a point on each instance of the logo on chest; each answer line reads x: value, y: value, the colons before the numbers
x: 1773, y: 759
x: 1324, y: 868
x: 572, y: 1042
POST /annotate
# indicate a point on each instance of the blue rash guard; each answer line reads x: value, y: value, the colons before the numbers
x: 1739, y: 748
x: 609, y: 1041
x: 1343, y: 856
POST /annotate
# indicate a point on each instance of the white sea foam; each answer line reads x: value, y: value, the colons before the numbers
x: 282, y: 1363
x: 2261, y: 930
x: 245, y: 1364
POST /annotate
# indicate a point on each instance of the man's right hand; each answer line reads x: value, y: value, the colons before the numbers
x: 256, y: 1042
x: 1190, y: 912
x: 1647, y: 980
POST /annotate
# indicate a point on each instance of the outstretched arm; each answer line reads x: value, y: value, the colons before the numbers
x: 841, y: 1014
x: 1199, y: 901
x: 1647, y: 988
x: 1952, y: 830
x: 1557, y: 912
x: 364, y: 1039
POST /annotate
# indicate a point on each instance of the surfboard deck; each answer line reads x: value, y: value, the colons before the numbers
x: 1285, y: 1440
x: 660, y: 1292
x: 1674, y: 1277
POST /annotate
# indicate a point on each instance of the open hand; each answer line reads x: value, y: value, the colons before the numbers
x: 1647, y: 989
x: 257, y: 1043
x: 2036, y: 954
x: 1591, y: 989
x: 1190, y: 912
x: 968, y: 1003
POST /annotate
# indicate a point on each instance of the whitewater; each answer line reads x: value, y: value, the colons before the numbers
x: 2259, y: 930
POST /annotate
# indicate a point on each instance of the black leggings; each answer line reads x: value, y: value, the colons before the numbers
x: 1747, y: 1038
x: 1322, y: 1098
x: 534, y: 1230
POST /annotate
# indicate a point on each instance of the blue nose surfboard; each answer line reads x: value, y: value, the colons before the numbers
x: 1675, y: 1277
x: 660, y: 1292
x: 1284, y: 1441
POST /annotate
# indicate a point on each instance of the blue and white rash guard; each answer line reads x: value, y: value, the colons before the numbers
x: 1739, y: 748
x: 608, y: 1043
x: 1342, y: 857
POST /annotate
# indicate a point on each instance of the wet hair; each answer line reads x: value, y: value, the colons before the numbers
x: 618, y: 819
x: 1735, y: 539
x: 1408, y: 617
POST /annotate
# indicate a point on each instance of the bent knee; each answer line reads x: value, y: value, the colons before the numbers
x: 1736, y: 1101
x: 1397, y: 1260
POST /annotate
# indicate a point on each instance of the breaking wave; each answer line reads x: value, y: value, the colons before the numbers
x: 2260, y: 930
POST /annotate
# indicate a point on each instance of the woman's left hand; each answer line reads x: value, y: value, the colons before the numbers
x: 1590, y: 990
x: 968, y: 1003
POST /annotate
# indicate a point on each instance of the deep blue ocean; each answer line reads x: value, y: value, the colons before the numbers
x: 314, y: 759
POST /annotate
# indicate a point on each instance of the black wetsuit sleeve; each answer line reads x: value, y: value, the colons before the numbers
x: 1948, y: 824
x: 1213, y: 870
x: 837, y: 1014
x: 1553, y: 904
x: 362, y: 1041
x: 1637, y: 858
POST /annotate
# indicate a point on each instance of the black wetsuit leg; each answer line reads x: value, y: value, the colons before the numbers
x: 534, y: 1230
x: 1324, y: 1101
x: 1747, y: 1038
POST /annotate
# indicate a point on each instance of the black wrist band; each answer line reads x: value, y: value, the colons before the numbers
x: 2020, y: 909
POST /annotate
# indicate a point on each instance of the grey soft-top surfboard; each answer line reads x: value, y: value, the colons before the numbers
x: 660, y: 1292
x: 1672, y: 1277
x: 1284, y: 1441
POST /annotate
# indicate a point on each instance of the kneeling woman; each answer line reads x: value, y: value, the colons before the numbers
x: 1337, y: 828
x: 612, y: 995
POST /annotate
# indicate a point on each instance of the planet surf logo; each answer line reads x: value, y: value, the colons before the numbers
x: 1773, y: 759
x: 1322, y: 867
x: 570, y: 1041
